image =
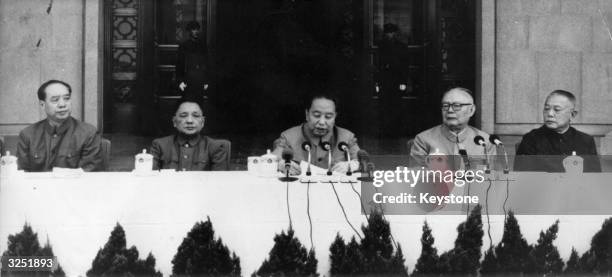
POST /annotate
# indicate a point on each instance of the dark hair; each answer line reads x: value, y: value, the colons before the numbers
x: 570, y: 96
x: 42, y: 94
x: 192, y: 25
x: 328, y: 95
x: 188, y: 98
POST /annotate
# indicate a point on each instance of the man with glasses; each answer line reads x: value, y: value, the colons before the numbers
x: 544, y: 148
x: 454, y: 134
x: 188, y: 149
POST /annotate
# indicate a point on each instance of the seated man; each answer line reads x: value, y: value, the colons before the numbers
x: 59, y: 140
x: 319, y: 127
x: 188, y: 149
x: 556, y: 139
x: 453, y: 134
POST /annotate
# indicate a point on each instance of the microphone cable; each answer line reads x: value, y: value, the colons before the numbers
x: 507, y: 196
x: 308, y: 213
x: 343, y: 211
x: 487, y: 207
x: 288, y: 210
x: 467, y: 213
x: 359, y: 197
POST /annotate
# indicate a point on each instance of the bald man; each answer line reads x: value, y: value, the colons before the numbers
x: 544, y: 148
x: 454, y: 133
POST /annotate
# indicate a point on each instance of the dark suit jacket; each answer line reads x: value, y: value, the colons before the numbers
x: 543, y: 149
x: 209, y: 154
x: 74, y: 144
x: 293, y: 138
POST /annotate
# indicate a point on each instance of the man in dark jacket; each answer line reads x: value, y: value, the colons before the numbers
x: 544, y: 149
x: 59, y: 140
x: 191, y: 67
x: 188, y: 149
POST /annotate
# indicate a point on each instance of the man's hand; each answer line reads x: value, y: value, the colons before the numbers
x: 182, y: 86
x: 294, y: 168
x: 342, y: 167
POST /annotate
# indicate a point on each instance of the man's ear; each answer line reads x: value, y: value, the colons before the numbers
x: 574, y: 113
x: 472, y: 109
x: 41, y: 103
x: 306, y: 115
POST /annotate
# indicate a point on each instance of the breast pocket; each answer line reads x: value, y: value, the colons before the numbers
x: 200, y: 165
x: 67, y: 159
x: 36, y: 159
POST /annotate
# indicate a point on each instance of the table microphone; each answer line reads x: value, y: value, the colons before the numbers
x: 327, y: 147
x: 342, y: 146
x: 364, y: 160
x: 363, y: 157
x: 464, y: 157
x: 306, y: 146
x: 479, y: 140
x: 287, y: 156
x: 495, y: 140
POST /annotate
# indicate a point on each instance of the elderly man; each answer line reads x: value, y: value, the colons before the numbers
x: 320, y: 127
x: 454, y: 133
x: 544, y: 148
x: 188, y: 149
x: 59, y: 140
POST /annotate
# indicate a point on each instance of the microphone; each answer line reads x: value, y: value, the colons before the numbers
x: 342, y: 146
x: 364, y: 160
x: 287, y: 156
x: 479, y: 140
x: 306, y: 146
x: 464, y: 157
x: 370, y: 169
x: 327, y: 147
x: 495, y: 140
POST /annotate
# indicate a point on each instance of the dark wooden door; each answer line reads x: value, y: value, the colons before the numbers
x: 141, y: 43
x: 435, y: 50
x: 169, y: 21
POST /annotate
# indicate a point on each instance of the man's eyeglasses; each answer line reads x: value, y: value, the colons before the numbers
x: 455, y: 106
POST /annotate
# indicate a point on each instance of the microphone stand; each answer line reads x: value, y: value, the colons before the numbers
x: 368, y: 174
x: 287, y: 178
x: 329, y: 161
x: 487, y: 166
x: 348, y: 155
x: 507, y: 168
x: 308, y: 173
x: 327, y: 147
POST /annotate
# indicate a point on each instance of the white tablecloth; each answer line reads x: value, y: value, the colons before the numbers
x: 78, y: 213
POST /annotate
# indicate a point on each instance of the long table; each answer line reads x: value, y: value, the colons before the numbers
x: 77, y: 213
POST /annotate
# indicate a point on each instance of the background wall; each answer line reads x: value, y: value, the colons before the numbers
x: 42, y: 40
x: 543, y: 45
